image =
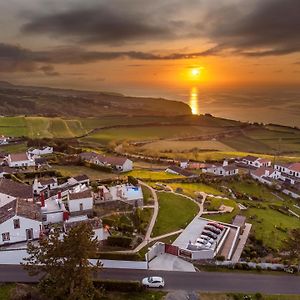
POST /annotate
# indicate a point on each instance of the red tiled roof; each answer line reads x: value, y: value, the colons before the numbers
x: 18, y: 156
x: 295, y: 167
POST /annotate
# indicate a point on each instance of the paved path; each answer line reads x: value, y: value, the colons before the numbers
x: 188, y: 281
x: 240, y: 247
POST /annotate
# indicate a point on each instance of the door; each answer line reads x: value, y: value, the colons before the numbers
x: 29, y: 234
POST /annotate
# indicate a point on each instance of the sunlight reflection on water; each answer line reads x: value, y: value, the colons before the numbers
x: 194, y: 101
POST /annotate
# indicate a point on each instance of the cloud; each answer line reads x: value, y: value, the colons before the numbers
x: 269, y: 27
x: 109, y: 22
x: 15, y: 58
x: 250, y: 28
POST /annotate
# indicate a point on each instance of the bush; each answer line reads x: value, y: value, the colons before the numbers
x: 220, y: 257
x: 108, y: 221
x: 120, y: 241
x: 118, y: 256
x: 133, y: 180
x: 120, y: 286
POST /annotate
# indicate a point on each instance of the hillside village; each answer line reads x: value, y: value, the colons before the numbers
x: 125, y: 210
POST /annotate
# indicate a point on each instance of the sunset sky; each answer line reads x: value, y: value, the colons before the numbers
x: 118, y: 44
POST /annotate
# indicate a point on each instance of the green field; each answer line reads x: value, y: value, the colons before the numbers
x: 190, y: 189
x: 175, y: 212
x: 69, y: 171
x: 151, y: 175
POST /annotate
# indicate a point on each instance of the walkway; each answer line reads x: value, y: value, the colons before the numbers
x: 240, y: 247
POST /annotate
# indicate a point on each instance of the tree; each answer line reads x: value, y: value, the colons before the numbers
x: 64, y: 263
x: 292, y: 246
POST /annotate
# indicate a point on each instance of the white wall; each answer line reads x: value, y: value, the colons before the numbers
x: 21, y: 163
x: 47, y: 150
x: 127, y: 166
x: 19, y: 235
x: 54, y: 217
x: 74, y: 205
x: 4, y: 199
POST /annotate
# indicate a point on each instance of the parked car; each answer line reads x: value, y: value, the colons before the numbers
x: 207, y: 238
x: 207, y: 245
x: 217, y: 225
x: 213, y: 229
x: 210, y: 234
x: 153, y: 282
x: 201, y: 241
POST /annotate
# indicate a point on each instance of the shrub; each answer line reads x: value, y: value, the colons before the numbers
x: 108, y: 221
x: 133, y: 180
x: 120, y: 241
x: 120, y: 286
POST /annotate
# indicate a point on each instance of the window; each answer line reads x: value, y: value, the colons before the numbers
x: 81, y: 207
x: 5, y: 236
x: 16, y: 223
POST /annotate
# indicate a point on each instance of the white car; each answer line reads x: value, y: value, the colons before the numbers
x: 201, y: 241
x: 154, y: 281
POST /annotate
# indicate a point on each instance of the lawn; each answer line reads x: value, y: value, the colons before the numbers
x: 187, y: 146
x: 147, y: 195
x: 264, y: 222
x: 213, y: 204
x: 151, y: 175
x: 14, y: 148
x: 190, y: 189
x: 105, y: 136
x: 5, y: 291
x: 239, y: 296
x: 175, y: 212
x: 78, y: 170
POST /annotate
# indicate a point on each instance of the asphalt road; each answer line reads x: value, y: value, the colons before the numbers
x: 199, y: 281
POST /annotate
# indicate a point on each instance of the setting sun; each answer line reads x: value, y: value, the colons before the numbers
x: 195, y: 72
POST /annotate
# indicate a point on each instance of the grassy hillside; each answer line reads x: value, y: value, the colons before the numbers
x: 19, y: 100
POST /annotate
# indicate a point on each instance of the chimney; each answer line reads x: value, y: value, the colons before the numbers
x: 42, y: 199
x: 225, y: 163
x: 59, y: 195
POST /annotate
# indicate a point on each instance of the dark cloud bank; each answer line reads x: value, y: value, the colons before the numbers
x: 264, y: 28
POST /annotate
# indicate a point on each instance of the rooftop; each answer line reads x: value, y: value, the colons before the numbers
x: 20, y: 208
x: 15, y: 189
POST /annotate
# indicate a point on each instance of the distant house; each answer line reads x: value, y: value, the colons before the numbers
x: 17, y: 160
x: 222, y: 169
x: 40, y: 151
x: 292, y: 169
x: 10, y: 190
x: 184, y: 164
x: 42, y: 184
x: 256, y: 162
x: 265, y: 172
x: 197, y: 165
x: 118, y: 163
x: 179, y: 171
x: 20, y: 221
x: 3, y: 140
x: 79, y: 179
x: 80, y: 203
x: 290, y: 172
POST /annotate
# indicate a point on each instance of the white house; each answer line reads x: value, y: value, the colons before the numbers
x: 3, y: 140
x: 40, y: 151
x: 53, y: 210
x: 20, y: 221
x: 17, y: 160
x: 10, y: 190
x: 121, y: 164
x: 43, y: 184
x: 80, y: 203
x: 222, y: 169
x: 265, y: 172
x: 256, y: 162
